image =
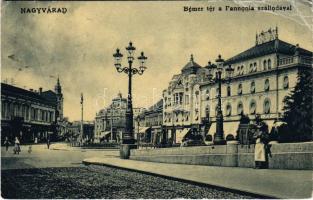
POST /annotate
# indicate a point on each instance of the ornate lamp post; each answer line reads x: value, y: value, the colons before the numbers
x: 128, y: 135
x: 219, y: 68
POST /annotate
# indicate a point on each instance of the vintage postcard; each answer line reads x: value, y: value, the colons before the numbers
x: 159, y: 99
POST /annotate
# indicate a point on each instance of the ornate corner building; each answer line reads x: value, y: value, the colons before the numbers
x: 263, y: 76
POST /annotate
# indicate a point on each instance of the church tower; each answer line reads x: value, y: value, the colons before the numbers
x: 59, y: 96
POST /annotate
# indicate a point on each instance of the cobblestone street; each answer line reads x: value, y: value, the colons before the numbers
x: 99, y: 182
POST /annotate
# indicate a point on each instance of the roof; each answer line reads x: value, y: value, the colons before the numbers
x: 270, y: 47
x: 50, y: 96
x: 191, y: 66
x: 11, y: 90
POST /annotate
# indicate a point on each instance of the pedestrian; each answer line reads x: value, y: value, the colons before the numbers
x: 261, y: 149
x: 6, y: 143
x: 30, y: 149
x: 36, y: 140
x: 17, y: 148
x: 48, y: 143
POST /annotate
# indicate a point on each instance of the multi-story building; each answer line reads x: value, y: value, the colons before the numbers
x: 263, y: 75
x: 181, y: 102
x: 26, y: 114
x: 74, y: 130
x: 112, y: 120
x: 149, y: 124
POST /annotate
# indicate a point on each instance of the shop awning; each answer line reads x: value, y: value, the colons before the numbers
x: 181, y: 134
x: 105, y: 133
x: 143, y: 130
x: 231, y: 128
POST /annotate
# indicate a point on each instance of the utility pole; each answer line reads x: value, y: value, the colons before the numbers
x: 82, y: 116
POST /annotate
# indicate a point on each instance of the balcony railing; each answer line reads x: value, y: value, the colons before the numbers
x: 292, y: 60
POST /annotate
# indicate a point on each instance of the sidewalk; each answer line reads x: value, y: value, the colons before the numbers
x: 267, y: 182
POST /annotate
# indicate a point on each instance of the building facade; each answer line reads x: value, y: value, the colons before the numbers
x: 112, y: 120
x: 26, y: 114
x: 263, y: 76
x: 74, y: 131
x: 182, y: 101
x: 149, y: 123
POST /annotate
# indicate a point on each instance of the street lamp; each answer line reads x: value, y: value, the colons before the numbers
x: 128, y: 136
x: 218, y: 69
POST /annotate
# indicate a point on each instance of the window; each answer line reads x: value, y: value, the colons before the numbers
x: 286, y: 82
x: 228, y: 110
x: 267, y: 85
x: 251, y: 67
x: 254, y: 67
x: 207, y: 92
x: 252, y: 107
x: 240, y: 108
x: 242, y: 70
x: 269, y: 63
x: 264, y: 65
x: 240, y: 89
x: 267, y: 106
x: 238, y: 70
x: 228, y: 91
x: 207, y: 111
x: 252, y: 87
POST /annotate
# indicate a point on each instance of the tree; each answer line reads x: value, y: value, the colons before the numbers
x: 298, y: 109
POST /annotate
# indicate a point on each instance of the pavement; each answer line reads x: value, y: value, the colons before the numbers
x: 272, y: 183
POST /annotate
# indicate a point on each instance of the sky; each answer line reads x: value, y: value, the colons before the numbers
x: 78, y: 46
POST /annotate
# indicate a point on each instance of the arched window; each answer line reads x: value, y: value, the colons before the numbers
x: 252, y: 107
x: 267, y: 85
x: 228, y: 110
x: 264, y: 65
x: 254, y: 67
x: 286, y: 82
x: 228, y: 91
x: 230, y: 137
x: 269, y: 63
x: 238, y: 70
x: 242, y: 70
x: 240, y: 89
x: 267, y: 106
x: 251, y: 68
x: 239, y: 108
x: 252, y: 87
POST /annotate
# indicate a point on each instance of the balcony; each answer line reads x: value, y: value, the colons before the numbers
x: 294, y: 60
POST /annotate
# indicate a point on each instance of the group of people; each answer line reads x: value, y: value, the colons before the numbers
x: 17, y: 147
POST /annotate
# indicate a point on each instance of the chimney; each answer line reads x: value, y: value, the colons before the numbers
x: 40, y: 90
